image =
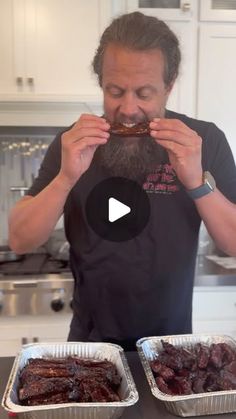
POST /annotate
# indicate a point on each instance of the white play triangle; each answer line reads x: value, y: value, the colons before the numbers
x: 116, y: 209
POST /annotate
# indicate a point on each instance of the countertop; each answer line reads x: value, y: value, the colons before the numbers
x: 146, y: 408
x: 209, y: 273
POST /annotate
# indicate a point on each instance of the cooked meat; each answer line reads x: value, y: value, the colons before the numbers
x: 52, y: 381
x: 138, y: 130
x: 201, y: 369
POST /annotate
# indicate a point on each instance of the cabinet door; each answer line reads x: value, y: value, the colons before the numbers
x: 214, y: 310
x: 217, y: 303
x: 216, y: 85
x: 12, y: 336
x: 67, y: 36
x: 180, y: 17
x: 166, y: 10
x: 47, y: 48
x: 17, y: 40
x: 7, y: 71
x: 50, y: 328
x: 216, y: 327
x: 183, y: 96
x: 218, y: 10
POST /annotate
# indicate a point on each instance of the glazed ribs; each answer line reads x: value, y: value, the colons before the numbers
x: 71, y: 379
x: 138, y: 130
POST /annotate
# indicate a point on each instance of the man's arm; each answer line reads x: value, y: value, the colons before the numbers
x: 32, y: 219
x: 219, y: 216
x: 184, y: 147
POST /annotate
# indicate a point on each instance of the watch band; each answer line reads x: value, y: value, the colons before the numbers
x: 207, y: 187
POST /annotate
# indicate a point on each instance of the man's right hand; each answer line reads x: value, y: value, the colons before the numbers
x: 79, y: 145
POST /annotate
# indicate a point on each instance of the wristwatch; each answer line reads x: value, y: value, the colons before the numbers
x: 208, y: 185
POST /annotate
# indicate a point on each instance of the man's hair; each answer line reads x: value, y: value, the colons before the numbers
x: 139, y: 32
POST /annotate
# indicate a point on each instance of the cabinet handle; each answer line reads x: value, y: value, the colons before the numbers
x: 35, y: 339
x: 24, y: 341
x: 19, y: 80
x: 186, y: 7
x: 30, y: 80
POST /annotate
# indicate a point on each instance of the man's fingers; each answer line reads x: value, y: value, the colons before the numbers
x: 172, y: 146
x: 90, y: 132
x: 79, y: 133
x: 171, y: 125
x: 174, y: 130
x: 88, y: 118
x: 189, y: 140
x: 90, y: 141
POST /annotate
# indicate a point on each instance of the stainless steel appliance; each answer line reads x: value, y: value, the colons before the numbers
x: 36, y: 284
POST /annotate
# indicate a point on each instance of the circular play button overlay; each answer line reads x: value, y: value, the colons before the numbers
x: 117, y: 209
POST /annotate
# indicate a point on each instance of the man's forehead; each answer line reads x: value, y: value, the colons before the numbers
x: 122, y: 62
x: 116, y: 52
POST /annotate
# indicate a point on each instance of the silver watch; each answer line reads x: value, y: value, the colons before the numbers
x: 208, y: 185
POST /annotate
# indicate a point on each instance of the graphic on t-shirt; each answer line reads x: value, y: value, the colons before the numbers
x: 117, y: 209
x: 163, y: 180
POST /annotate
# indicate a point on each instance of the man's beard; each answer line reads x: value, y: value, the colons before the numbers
x: 130, y: 157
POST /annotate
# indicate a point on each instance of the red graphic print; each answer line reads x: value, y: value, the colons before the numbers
x: 162, y: 180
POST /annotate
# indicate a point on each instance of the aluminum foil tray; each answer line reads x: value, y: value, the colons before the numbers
x: 186, y: 405
x: 114, y: 353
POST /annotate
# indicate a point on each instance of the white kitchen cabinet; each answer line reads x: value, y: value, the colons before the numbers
x: 181, y: 18
x: 8, y: 84
x: 218, y: 10
x: 51, y: 329
x: 166, y: 10
x: 12, y: 337
x: 15, y: 331
x: 214, y: 310
x: 47, y: 47
x: 216, y: 81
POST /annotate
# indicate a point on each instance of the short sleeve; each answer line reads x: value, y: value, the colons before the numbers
x: 218, y: 159
x: 49, y: 168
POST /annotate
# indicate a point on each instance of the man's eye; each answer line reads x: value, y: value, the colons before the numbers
x: 143, y: 97
x: 115, y: 92
x: 145, y: 93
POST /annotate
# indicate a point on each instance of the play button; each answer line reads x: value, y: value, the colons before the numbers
x: 117, y: 209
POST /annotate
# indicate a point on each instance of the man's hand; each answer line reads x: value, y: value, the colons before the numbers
x: 184, y: 147
x: 79, y: 145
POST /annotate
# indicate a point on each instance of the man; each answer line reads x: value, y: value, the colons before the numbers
x: 142, y: 286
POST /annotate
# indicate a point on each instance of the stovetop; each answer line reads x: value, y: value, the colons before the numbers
x: 34, y: 264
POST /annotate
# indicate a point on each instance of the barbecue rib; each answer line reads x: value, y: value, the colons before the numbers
x: 71, y: 379
x: 138, y: 130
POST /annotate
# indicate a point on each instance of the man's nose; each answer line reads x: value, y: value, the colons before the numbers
x: 129, y: 105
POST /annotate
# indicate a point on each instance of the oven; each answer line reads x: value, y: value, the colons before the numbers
x: 36, y: 284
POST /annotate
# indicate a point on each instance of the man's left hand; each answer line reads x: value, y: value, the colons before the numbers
x: 184, y: 147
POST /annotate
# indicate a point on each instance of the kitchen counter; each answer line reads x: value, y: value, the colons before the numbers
x: 148, y: 407
x: 209, y: 273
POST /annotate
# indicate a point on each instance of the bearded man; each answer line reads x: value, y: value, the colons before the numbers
x: 141, y: 286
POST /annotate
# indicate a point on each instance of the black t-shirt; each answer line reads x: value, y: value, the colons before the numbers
x: 143, y: 286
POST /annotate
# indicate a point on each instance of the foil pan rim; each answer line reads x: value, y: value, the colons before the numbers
x: 130, y: 400
x: 181, y: 398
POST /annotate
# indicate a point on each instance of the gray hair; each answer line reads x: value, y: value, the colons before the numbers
x: 137, y: 31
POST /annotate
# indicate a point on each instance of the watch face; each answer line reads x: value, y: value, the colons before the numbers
x: 209, y: 181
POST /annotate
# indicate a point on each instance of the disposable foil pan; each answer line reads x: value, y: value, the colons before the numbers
x: 186, y: 405
x: 98, y: 351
